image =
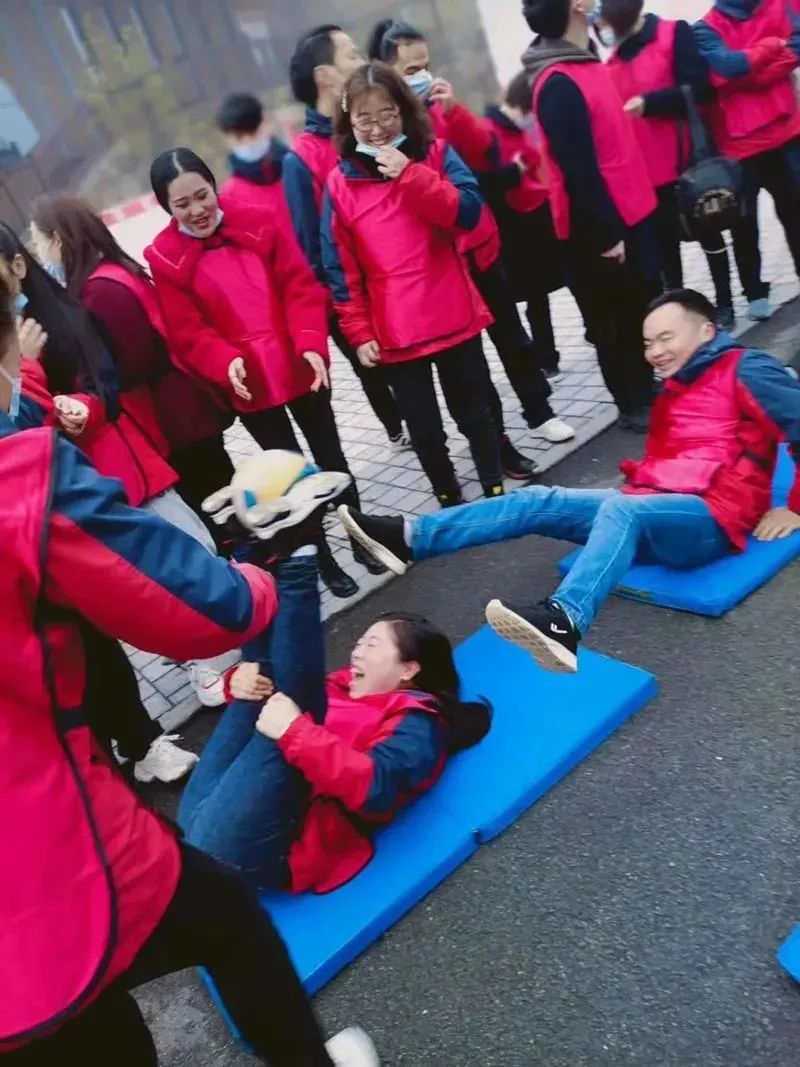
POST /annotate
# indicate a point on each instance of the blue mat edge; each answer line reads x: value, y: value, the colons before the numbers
x: 788, y: 954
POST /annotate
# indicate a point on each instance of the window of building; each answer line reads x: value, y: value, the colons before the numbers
x: 20, y: 136
x: 255, y: 28
x: 77, y: 34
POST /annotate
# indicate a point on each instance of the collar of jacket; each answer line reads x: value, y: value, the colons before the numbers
x: 318, y: 124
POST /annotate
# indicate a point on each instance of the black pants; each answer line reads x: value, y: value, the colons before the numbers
x: 668, y: 232
x: 114, y: 708
x: 614, y: 298
x: 464, y: 378
x: 215, y: 922
x: 373, y: 382
x: 517, y: 354
x: 777, y: 171
x: 314, y: 415
x: 203, y: 468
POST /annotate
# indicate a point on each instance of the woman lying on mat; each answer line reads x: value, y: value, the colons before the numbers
x: 290, y: 790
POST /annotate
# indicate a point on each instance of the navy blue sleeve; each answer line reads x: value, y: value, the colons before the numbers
x: 775, y: 392
x: 721, y: 60
x: 470, y: 201
x: 689, y: 69
x: 30, y: 415
x: 333, y: 274
x: 564, y: 118
x: 404, y: 762
x: 298, y: 185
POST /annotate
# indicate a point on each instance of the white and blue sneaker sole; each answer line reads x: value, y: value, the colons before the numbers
x: 302, y: 500
x: 378, y: 551
x: 549, y: 654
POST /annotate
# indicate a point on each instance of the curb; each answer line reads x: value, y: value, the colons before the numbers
x: 129, y: 210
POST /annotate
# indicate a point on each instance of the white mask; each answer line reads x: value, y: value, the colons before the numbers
x: 16, y: 392
x: 252, y: 151
x: 373, y: 150
x: 608, y: 37
x: 419, y: 82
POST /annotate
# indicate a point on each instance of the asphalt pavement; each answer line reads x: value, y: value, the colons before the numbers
x: 631, y: 917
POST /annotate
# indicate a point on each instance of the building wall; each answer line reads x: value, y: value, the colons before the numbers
x: 74, y: 117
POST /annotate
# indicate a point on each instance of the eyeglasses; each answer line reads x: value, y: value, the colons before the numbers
x: 383, y: 119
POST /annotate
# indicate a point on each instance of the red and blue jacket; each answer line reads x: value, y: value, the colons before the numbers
x: 370, y: 758
x: 305, y: 171
x: 715, y: 430
x: 93, y: 868
x: 258, y: 183
x: 390, y: 255
x: 752, y: 48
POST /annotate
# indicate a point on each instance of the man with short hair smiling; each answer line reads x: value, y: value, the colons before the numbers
x: 704, y: 484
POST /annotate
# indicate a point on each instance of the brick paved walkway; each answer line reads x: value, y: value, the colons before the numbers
x: 396, y: 483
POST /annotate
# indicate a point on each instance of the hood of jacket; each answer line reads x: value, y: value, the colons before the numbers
x: 544, y: 53
x: 737, y: 9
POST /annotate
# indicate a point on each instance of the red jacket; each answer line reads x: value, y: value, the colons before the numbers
x: 755, y: 107
x: 89, y: 870
x: 390, y: 256
x: 714, y: 432
x: 267, y: 197
x: 525, y: 191
x: 619, y: 157
x: 185, y: 411
x: 370, y: 758
x: 247, y: 291
x: 664, y: 140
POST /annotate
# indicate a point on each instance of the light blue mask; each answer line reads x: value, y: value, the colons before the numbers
x: 420, y: 82
x: 20, y: 303
x: 608, y: 37
x: 374, y: 150
x: 185, y: 229
x: 594, y: 16
x: 253, y: 152
x: 16, y: 393
x: 57, y: 272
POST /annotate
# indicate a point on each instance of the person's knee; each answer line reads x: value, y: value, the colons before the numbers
x: 619, y: 509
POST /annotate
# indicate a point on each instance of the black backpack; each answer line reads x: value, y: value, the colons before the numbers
x: 710, y: 190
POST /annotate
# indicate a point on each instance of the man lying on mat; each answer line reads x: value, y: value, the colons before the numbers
x: 704, y: 484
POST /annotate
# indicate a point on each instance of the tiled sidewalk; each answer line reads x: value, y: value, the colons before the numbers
x: 389, y: 482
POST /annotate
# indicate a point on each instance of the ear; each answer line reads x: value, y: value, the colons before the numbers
x: 410, y: 672
x: 19, y: 267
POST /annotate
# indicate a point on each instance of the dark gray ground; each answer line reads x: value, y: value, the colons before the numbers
x: 632, y: 916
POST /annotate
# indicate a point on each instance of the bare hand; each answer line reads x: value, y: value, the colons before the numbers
x: 32, y: 338
x: 237, y: 376
x: 320, y: 369
x: 248, y: 683
x: 777, y: 524
x: 442, y: 91
x: 617, y: 253
x: 635, y: 106
x: 277, y: 716
x: 369, y: 355
x: 72, y: 414
x: 391, y: 162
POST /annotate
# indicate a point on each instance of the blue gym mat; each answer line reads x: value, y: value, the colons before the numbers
x: 721, y: 585
x: 789, y: 954
x: 543, y: 725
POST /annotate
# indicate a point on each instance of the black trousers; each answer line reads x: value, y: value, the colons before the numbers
x: 464, y: 378
x: 202, y: 468
x: 314, y: 414
x: 515, y: 349
x: 373, y: 382
x: 214, y: 921
x: 114, y: 708
x: 777, y: 171
x: 614, y: 298
x: 668, y: 232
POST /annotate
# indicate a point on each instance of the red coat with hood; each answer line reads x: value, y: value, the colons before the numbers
x: 246, y: 291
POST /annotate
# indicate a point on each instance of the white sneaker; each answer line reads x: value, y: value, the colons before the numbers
x: 206, y: 677
x: 555, y: 430
x: 401, y: 443
x: 352, y: 1048
x: 165, y: 761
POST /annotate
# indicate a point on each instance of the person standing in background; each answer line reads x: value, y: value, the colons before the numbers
x: 752, y: 48
x: 255, y: 155
x: 322, y: 61
x: 652, y: 59
x: 601, y: 195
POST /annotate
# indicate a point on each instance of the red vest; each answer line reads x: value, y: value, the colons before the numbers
x: 698, y: 443
x: 422, y: 299
x: 531, y: 192
x: 618, y: 154
x: 72, y: 916
x: 747, y: 119
x: 664, y: 141
x: 319, y: 155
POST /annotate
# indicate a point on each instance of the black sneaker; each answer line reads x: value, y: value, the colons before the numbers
x: 514, y: 465
x: 726, y: 319
x: 383, y: 536
x: 360, y: 555
x: 542, y: 629
x: 490, y: 491
x: 451, y: 498
x: 637, y: 421
x: 337, y: 580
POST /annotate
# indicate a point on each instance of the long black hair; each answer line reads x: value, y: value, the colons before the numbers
x: 166, y: 168
x: 74, y: 356
x: 418, y: 640
x: 387, y: 35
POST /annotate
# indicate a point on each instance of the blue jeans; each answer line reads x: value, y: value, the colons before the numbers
x: 617, y: 528
x: 243, y: 801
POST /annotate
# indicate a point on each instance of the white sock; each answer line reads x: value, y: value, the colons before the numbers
x: 408, y: 531
x: 306, y: 550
